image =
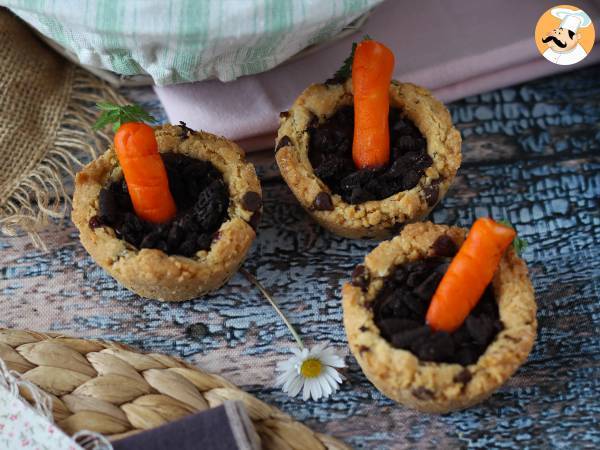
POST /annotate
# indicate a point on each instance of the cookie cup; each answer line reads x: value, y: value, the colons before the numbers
x: 152, y: 273
x: 429, y: 386
x: 377, y: 218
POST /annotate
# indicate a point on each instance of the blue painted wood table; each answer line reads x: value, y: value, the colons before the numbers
x: 531, y: 155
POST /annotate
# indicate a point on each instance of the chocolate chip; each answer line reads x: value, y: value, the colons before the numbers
x: 322, y: 202
x: 251, y: 201
x: 464, y: 376
x: 360, y: 277
x: 283, y: 142
x: 362, y: 349
x: 95, y: 222
x: 422, y: 393
x: 108, y: 206
x: 396, y: 228
x: 284, y: 114
x: 432, y: 192
x: 196, y: 330
x: 444, y: 246
x: 255, y: 220
x: 363, y: 329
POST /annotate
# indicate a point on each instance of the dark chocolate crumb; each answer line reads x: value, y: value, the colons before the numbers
x: 334, y: 81
x: 95, y: 222
x: 480, y: 328
x: 196, y: 330
x: 439, y: 347
x: 322, y: 202
x: 251, y: 201
x: 400, y: 307
x: 330, y: 154
x: 464, y: 376
x: 202, y: 200
x: 185, y: 131
x: 410, y: 338
x: 283, y: 142
x: 360, y: 277
x: 391, y: 327
x: 363, y: 329
x: 108, y: 206
x: 284, y: 114
x: 422, y: 393
x: 444, y: 246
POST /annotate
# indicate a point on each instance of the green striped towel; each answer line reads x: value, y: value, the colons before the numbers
x: 177, y: 41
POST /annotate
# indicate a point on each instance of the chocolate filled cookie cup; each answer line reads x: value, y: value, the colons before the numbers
x: 218, y: 198
x: 314, y: 155
x: 384, y: 308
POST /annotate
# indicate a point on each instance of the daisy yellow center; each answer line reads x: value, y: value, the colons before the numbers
x: 311, y: 368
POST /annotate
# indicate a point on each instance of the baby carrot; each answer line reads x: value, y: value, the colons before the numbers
x: 144, y: 171
x: 371, y: 76
x: 469, y: 273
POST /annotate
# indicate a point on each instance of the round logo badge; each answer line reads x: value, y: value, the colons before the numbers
x: 564, y: 35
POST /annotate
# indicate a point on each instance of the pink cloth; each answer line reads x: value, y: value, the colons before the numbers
x: 453, y: 47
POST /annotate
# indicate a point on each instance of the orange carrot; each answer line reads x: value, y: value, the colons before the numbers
x: 371, y: 76
x: 469, y: 273
x: 144, y: 172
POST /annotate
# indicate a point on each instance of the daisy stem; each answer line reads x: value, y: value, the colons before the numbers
x: 252, y: 279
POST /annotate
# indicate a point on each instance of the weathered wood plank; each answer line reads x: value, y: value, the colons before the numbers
x: 531, y: 155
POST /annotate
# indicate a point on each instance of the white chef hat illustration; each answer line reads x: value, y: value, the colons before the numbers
x: 571, y: 20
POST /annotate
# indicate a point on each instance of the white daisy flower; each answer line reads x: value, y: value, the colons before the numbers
x: 314, y: 372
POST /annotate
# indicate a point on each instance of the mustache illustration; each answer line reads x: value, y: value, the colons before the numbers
x: 556, y: 41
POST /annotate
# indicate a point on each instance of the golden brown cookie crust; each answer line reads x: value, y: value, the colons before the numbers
x: 378, y: 218
x: 429, y: 386
x: 150, y: 272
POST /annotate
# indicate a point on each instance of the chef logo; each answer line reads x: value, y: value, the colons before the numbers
x: 564, y: 35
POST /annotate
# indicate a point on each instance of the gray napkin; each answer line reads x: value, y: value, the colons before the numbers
x: 226, y: 427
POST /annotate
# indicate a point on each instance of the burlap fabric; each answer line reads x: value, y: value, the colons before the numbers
x: 46, y: 113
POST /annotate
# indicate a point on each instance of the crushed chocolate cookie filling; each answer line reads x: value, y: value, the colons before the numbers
x: 401, y: 306
x: 330, y: 154
x: 202, y: 200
